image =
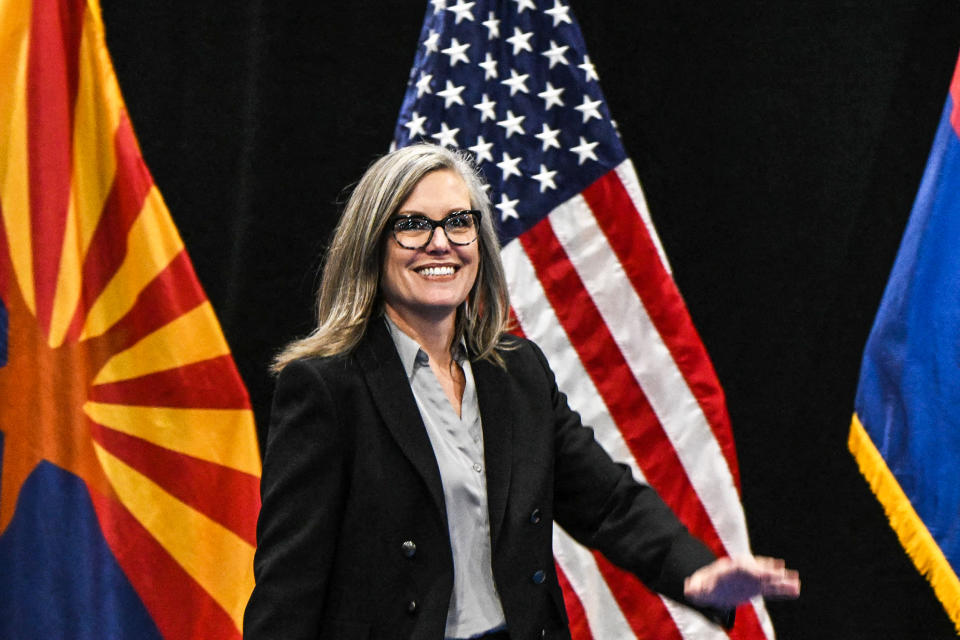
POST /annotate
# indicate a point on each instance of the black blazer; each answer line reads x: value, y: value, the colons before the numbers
x: 352, y: 536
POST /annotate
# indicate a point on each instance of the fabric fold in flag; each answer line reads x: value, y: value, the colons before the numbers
x: 129, y: 462
x: 513, y: 83
x: 905, y: 433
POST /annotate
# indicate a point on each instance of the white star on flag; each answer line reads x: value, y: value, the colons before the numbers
x: 516, y: 82
x: 584, y: 150
x: 482, y: 150
x: 559, y: 13
x: 589, y: 108
x: 457, y: 52
x: 415, y: 125
x: 507, y: 207
x: 545, y: 178
x: 548, y: 137
x: 493, y: 26
x: 511, y: 124
x: 489, y: 66
x: 551, y: 96
x: 588, y: 69
x: 485, y: 106
x: 462, y: 9
x: 423, y: 84
x: 431, y: 42
x: 525, y: 4
x: 446, y: 137
x: 509, y: 166
x: 555, y: 54
x: 451, y: 95
x: 520, y: 41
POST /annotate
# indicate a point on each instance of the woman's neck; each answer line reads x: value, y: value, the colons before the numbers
x: 434, y: 335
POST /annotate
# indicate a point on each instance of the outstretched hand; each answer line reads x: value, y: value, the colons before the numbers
x: 727, y: 582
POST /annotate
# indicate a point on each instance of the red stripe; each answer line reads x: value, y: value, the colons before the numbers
x: 230, y: 497
x: 180, y: 607
x: 613, y: 378
x: 645, y: 612
x: 628, y: 237
x: 747, y: 624
x: 55, y: 31
x: 108, y: 246
x: 210, y: 384
x: 579, y: 627
x: 172, y: 293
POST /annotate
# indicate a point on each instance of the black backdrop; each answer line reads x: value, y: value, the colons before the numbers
x: 780, y: 145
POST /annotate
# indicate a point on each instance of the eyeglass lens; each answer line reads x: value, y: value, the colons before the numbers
x: 415, y: 232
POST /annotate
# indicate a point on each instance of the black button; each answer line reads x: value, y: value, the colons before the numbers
x: 539, y: 576
x: 412, y: 607
x: 409, y: 548
x: 543, y: 633
x: 535, y: 516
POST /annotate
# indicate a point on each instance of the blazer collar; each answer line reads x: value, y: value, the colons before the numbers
x: 391, y: 392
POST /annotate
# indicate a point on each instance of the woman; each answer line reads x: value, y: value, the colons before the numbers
x: 418, y: 456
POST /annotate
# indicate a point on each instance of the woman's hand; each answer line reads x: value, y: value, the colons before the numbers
x: 727, y: 582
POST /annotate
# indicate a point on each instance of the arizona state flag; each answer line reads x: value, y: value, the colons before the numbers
x: 130, y: 467
x: 906, y: 429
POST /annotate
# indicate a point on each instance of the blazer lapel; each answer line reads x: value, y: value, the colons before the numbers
x: 492, y: 385
x: 394, y: 399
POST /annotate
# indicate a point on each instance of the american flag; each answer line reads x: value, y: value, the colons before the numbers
x: 511, y: 81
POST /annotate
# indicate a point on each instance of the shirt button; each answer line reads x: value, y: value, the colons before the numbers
x: 477, y: 467
x: 535, y: 516
x: 539, y: 576
x: 409, y: 548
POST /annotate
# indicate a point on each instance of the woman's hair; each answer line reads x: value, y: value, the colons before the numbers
x: 349, y: 293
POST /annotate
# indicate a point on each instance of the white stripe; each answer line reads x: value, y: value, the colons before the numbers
x: 540, y: 324
x: 604, y: 617
x: 628, y: 178
x: 654, y: 369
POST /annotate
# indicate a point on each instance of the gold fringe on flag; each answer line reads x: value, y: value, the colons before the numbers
x: 910, y: 529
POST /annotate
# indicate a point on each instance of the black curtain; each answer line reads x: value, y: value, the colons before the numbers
x: 780, y: 145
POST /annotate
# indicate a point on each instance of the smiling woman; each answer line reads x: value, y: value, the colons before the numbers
x: 418, y: 455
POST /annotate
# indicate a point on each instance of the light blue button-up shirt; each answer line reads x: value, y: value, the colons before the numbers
x: 458, y: 446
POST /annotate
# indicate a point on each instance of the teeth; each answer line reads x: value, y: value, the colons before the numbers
x: 437, y: 271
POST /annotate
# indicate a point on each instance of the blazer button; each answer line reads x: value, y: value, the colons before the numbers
x: 535, y: 516
x: 409, y: 548
x: 539, y: 576
x: 412, y: 607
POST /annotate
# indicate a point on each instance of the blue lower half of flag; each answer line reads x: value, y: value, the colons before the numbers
x: 909, y: 395
x: 58, y: 577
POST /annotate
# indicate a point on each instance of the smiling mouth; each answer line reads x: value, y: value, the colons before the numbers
x: 436, y: 271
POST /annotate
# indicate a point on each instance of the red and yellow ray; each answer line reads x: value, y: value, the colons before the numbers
x: 117, y: 370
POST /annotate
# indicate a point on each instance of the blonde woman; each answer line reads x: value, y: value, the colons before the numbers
x: 418, y: 455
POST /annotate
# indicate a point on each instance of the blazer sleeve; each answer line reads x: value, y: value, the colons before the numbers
x: 600, y: 504
x: 302, y: 491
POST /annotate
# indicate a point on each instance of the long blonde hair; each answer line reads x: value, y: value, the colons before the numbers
x: 349, y: 293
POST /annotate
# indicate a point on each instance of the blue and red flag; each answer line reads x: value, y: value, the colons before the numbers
x: 905, y: 434
x: 129, y: 464
x: 511, y: 81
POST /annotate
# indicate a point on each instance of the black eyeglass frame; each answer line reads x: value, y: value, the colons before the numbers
x: 434, y: 224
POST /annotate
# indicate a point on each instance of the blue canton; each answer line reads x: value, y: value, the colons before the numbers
x: 511, y: 81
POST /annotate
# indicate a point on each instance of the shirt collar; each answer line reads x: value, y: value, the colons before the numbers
x: 411, y: 354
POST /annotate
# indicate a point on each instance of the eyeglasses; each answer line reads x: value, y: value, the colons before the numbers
x: 416, y: 232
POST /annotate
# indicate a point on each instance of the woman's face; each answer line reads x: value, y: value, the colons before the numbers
x: 429, y: 284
